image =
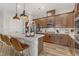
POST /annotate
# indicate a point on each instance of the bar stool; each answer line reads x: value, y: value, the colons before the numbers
x: 19, y: 47
x: 1, y: 42
x: 6, y: 39
x: 1, y: 36
x: 6, y: 44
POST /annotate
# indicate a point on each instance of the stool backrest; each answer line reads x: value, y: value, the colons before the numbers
x: 6, y: 39
x: 3, y: 38
x: 16, y: 44
x: 0, y: 36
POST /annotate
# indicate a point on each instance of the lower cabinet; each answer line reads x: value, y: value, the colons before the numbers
x: 71, y: 44
x: 64, y: 40
x: 40, y: 45
x: 47, y: 38
x: 57, y: 38
x: 61, y: 39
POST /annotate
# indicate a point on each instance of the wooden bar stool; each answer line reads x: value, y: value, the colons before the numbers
x: 19, y: 47
x: 6, y: 44
x: 6, y: 39
x: 2, y: 39
x: 1, y: 42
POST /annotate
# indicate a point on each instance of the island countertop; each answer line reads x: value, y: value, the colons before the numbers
x: 23, y: 36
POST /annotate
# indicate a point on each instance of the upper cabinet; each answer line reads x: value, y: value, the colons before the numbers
x: 76, y: 10
x: 51, y: 21
x: 70, y: 20
x: 65, y: 20
x: 58, y: 21
x: 45, y: 22
x: 51, y: 13
x: 42, y: 22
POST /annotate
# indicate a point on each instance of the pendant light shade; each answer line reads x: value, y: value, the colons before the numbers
x: 16, y: 15
x: 23, y: 16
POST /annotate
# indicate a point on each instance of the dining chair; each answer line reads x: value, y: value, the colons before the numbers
x: 19, y: 47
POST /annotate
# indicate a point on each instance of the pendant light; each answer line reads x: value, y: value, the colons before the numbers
x: 23, y: 16
x: 16, y: 15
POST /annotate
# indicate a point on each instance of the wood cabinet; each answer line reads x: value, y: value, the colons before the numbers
x: 61, y: 39
x: 51, y: 13
x: 60, y: 21
x: 76, y: 9
x: 45, y: 22
x: 71, y: 44
x: 47, y: 38
x: 64, y: 40
x: 40, y: 45
x: 56, y: 39
x: 65, y: 20
x: 70, y: 20
x: 41, y: 22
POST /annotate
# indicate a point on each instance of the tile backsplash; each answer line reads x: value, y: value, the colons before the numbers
x: 57, y: 30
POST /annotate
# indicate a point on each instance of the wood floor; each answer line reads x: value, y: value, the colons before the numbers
x: 55, y: 50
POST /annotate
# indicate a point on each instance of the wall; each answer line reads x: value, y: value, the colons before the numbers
x: 1, y: 22
x: 10, y: 25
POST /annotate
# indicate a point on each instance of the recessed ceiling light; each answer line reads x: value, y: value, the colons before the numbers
x: 29, y: 12
x: 42, y: 7
x: 18, y: 6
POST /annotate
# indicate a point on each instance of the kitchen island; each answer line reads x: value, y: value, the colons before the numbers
x: 33, y: 42
x: 60, y: 36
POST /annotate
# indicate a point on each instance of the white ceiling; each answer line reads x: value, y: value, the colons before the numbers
x: 35, y: 10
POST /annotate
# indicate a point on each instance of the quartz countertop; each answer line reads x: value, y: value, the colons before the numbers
x: 25, y: 37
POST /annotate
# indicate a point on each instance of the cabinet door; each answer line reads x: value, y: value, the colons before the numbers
x: 76, y: 10
x: 40, y: 45
x: 46, y: 38
x: 65, y: 20
x: 71, y: 44
x: 70, y: 20
x: 57, y: 39
x: 41, y: 22
x: 52, y: 38
x: 60, y: 20
x: 64, y: 40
